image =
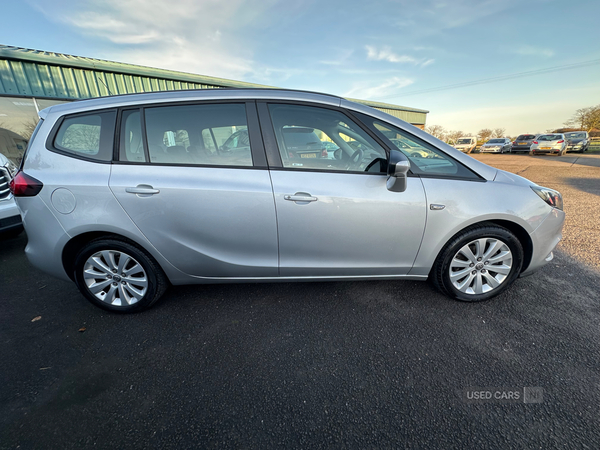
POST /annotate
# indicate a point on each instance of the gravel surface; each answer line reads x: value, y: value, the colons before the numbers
x: 313, y: 365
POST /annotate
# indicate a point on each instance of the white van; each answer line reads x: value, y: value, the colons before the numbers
x: 466, y: 144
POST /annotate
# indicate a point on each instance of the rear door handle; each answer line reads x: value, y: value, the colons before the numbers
x: 300, y: 197
x: 142, y: 190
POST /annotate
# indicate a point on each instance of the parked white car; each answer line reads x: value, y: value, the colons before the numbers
x: 549, y: 143
x: 466, y: 144
x: 10, y: 218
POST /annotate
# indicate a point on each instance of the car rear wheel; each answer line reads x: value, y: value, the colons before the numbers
x: 478, y: 264
x: 117, y: 276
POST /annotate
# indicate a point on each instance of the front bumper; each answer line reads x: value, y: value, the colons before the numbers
x: 489, y: 150
x: 545, y: 238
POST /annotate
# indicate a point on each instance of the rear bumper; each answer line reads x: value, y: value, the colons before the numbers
x: 554, y: 150
x: 521, y: 148
x: 46, y: 238
x: 545, y: 238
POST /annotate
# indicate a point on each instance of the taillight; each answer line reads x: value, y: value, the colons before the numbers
x: 24, y: 185
x: 324, y: 153
x: 535, y: 142
x: 561, y: 141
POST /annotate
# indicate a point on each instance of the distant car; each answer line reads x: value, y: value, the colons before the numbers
x: 466, y: 144
x: 577, y: 141
x: 10, y: 218
x: 496, y: 145
x: 303, y: 143
x: 411, y: 150
x: 523, y: 143
x: 549, y: 143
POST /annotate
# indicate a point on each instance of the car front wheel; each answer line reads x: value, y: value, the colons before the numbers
x: 478, y: 264
x: 117, y: 276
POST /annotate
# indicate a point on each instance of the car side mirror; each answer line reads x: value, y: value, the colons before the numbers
x: 398, y: 167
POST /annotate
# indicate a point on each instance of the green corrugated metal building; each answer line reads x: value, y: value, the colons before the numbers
x: 32, y: 79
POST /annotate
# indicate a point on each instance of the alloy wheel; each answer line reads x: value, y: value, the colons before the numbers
x: 115, y: 278
x: 481, y: 266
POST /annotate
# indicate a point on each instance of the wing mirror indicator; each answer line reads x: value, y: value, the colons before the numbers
x: 398, y: 167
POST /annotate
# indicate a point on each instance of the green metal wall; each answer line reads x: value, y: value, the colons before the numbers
x: 33, y: 73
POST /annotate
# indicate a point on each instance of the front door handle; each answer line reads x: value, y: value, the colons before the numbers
x: 142, y: 190
x: 300, y: 197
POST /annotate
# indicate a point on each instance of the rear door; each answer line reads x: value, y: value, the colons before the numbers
x: 206, y: 208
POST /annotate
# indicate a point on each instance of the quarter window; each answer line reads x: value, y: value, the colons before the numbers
x: 89, y: 135
x: 424, y: 158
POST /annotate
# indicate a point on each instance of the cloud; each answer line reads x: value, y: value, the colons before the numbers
x: 528, y: 50
x: 386, y: 54
x: 390, y: 86
x: 199, y: 36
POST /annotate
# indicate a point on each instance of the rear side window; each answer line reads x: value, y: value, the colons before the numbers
x: 209, y: 134
x: 89, y: 136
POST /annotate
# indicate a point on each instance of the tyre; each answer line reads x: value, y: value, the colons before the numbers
x: 478, y: 263
x: 117, y: 276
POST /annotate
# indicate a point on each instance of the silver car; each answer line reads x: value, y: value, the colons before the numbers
x: 10, y: 218
x: 496, y: 145
x: 125, y: 195
x: 549, y: 143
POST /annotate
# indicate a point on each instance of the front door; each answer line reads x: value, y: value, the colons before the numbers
x: 335, y: 216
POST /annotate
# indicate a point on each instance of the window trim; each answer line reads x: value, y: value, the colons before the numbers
x: 272, y: 146
x: 257, y: 149
x: 52, y: 136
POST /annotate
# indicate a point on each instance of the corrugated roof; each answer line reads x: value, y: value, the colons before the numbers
x: 37, y: 73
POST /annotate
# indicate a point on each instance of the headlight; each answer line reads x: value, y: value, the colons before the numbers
x: 550, y: 196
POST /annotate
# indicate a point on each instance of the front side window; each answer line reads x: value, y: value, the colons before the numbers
x: 424, y: 158
x: 89, y: 135
x: 317, y: 138
x: 211, y: 134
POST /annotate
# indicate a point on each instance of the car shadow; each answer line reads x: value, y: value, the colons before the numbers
x: 589, y: 185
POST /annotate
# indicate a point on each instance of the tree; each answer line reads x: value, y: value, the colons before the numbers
x: 499, y: 132
x: 485, y: 134
x: 452, y: 136
x: 28, y: 128
x: 585, y: 118
x: 437, y: 131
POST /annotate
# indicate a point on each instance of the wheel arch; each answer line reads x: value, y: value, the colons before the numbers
x: 516, y: 229
x: 75, y: 244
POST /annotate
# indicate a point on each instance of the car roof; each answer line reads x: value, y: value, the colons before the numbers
x: 190, y: 95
